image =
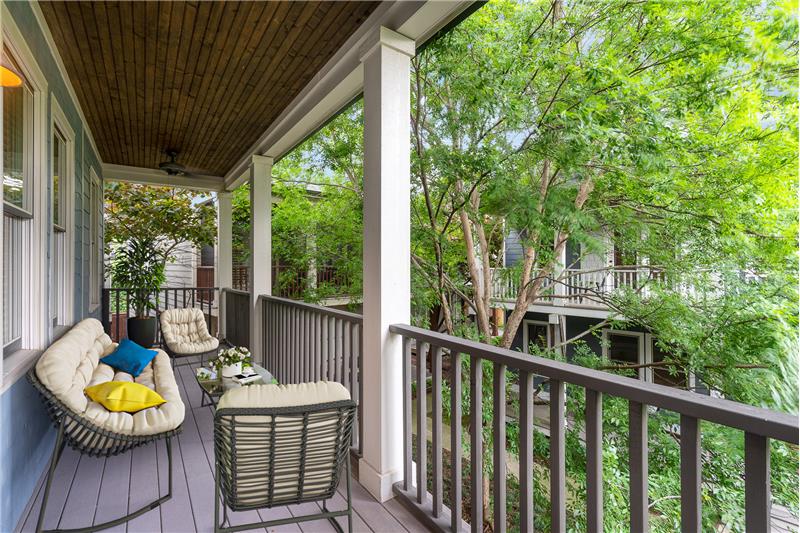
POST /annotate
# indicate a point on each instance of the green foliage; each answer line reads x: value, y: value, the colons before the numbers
x: 317, y: 220
x: 162, y: 217
x: 136, y: 264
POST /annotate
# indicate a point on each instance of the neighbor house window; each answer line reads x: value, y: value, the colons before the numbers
x: 17, y: 172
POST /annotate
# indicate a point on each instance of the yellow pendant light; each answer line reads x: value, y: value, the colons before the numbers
x: 9, y: 77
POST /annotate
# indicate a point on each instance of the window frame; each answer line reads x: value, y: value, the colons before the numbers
x: 35, y: 301
x: 525, y: 336
x: 95, y: 239
x: 60, y: 124
x: 643, y: 351
x: 29, y: 135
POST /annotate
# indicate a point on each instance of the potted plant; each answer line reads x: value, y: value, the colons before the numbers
x: 229, y: 362
x: 137, y: 266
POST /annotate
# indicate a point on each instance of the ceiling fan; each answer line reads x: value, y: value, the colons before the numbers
x: 172, y: 167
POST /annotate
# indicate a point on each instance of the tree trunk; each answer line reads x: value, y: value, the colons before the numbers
x: 481, y: 307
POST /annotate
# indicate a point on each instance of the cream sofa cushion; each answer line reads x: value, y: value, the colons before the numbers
x: 284, y: 395
x: 72, y: 363
x: 185, y: 331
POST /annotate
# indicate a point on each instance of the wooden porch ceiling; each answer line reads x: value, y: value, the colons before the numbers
x: 203, y: 78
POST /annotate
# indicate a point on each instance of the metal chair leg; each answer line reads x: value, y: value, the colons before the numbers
x: 57, y: 450
x: 349, y: 497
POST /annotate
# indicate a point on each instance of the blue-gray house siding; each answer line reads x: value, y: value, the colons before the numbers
x: 26, y: 436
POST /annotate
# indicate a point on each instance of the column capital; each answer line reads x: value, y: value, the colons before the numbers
x: 384, y: 37
x: 224, y: 194
x: 261, y: 160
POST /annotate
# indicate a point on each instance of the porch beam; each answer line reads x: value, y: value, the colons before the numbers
x: 260, y: 271
x: 386, y: 57
x: 150, y: 176
x: 339, y: 81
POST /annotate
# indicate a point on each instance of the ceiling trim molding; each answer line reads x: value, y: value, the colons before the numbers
x: 149, y: 176
x: 51, y: 44
x: 341, y: 79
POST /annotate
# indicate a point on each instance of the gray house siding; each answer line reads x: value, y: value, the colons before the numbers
x: 26, y: 436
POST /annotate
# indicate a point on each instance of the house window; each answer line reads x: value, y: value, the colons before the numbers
x: 59, y: 175
x: 95, y: 219
x: 625, y: 348
x: 17, y: 142
x: 207, y: 256
x: 58, y: 262
x: 536, y: 333
x: 17, y: 172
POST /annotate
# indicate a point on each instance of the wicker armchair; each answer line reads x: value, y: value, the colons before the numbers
x: 185, y: 334
x: 279, y: 445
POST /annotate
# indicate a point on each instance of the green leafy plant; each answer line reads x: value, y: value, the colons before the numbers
x: 137, y: 264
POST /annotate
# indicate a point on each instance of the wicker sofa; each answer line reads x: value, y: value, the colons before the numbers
x: 71, y: 364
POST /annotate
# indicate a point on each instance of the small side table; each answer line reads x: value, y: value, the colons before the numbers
x: 213, y: 389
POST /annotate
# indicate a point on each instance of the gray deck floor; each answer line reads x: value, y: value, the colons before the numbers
x: 89, y: 490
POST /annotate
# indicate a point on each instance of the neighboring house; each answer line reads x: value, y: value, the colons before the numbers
x: 577, y: 306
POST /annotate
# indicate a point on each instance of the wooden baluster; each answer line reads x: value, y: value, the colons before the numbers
x: 407, y: 448
x: 594, y: 461
x: 691, y: 505
x: 637, y: 452
x: 757, y: 499
x: 436, y: 414
x: 558, y: 479
x: 526, y: 451
x: 422, y: 425
x: 455, y: 440
x: 476, y: 436
x: 499, y: 451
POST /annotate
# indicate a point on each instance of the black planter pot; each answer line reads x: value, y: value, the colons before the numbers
x: 142, y: 331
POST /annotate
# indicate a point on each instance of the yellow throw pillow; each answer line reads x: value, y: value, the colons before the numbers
x: 124, y: 396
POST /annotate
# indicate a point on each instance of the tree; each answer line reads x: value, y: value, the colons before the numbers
x: 162, y: 217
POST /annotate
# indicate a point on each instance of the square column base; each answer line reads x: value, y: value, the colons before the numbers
x: 376, y: 483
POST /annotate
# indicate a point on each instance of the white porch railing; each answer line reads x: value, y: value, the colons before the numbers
x: 577, y: 286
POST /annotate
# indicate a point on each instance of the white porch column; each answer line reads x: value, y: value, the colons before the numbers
x: 223, y: 268
x: 387, y: 253
x: 260, y: 271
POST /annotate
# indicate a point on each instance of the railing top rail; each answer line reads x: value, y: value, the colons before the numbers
x: 162, y: 289
x: 236, y: 291
x: 757, y: 420
x: 346, y: 315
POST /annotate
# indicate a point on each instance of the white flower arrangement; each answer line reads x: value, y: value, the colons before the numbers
x: 233, y: 356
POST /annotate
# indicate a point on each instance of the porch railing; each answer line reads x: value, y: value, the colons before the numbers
x: 306, y: 342
x: 584, y: 287
x: 758, y: 425
x: 116, y: 304
x: 302, y: 342
x: 237, y: 317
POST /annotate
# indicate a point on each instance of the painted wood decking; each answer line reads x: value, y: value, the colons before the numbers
x: 89, y: 490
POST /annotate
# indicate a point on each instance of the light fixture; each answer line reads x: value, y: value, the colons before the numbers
x: 9, y: 77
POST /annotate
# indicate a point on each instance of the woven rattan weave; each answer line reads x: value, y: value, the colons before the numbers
x: 268, y: 457
x: 88, y: 439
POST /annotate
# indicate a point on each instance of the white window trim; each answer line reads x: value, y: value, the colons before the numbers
x: 645, y: 349
x: 526, y: 340
x: 35, y: 301
x: 59, y: 121
x: 95, y: 270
